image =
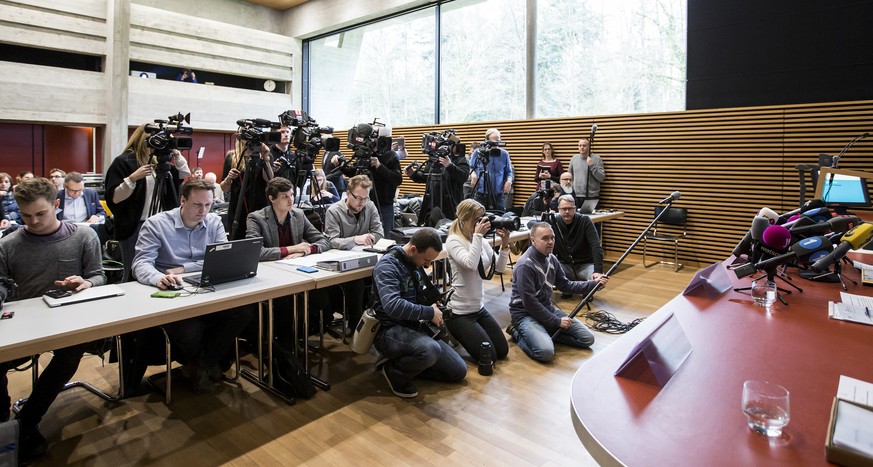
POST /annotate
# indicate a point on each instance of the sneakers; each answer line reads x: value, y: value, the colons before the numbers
x: 405, y: 390
x: 380, y: 363
x: 511, y: 331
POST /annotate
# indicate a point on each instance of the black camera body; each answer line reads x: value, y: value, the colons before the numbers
x: 363, y: 140
x: 491, y: 148
x: 439, y: 144
x: 546, y: 192
x: 259, y: 130
x: 163, y: 138
x: 305, y: 137
x: 509, y: 223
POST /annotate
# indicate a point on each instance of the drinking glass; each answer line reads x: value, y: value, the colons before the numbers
x: 764, y: 293
x: 766, y: 407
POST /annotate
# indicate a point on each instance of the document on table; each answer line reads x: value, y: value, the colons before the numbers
x: 329, y: 255
x: 853, y: 426
x: 856, y: 308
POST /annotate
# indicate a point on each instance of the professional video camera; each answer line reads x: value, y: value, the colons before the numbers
x: 363, y: 141
x: 491, y: 148
x: 439, y: 144
x: 509, y: 223
x: 306, y: 136
x: 163, y: 141
x: 259, y: 130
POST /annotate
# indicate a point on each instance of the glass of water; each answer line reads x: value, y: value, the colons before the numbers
x: 764, y: 293
x: 766, y: 407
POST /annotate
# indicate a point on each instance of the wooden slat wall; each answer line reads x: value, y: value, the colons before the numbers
x: 728, y: 163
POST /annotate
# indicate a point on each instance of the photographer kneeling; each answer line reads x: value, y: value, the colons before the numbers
x: 470, y: 256
x: 400, y: 291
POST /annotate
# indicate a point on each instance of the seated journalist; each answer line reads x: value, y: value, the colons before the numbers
x: 577, y: 244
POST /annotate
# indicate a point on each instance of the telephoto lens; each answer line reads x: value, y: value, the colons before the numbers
x: 486, y: 359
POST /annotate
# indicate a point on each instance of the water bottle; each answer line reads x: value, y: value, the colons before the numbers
x: 486, y: 359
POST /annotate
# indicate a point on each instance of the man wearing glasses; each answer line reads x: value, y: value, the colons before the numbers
x: 56, y: 176
x: 346, y: 225
x: 79, y: 204
x: 577, y: 244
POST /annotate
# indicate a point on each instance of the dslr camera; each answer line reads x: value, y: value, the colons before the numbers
x: 509, y: 223
x: 491, y: 148
x: 546, y: 192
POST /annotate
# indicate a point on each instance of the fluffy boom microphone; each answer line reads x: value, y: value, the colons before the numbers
x: 851, y: 240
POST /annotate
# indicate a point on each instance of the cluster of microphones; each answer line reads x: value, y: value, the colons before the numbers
x: 810, y: 237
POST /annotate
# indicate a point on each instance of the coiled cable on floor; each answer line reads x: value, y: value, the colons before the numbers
x: 604, y: 321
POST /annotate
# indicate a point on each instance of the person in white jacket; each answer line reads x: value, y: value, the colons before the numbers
x: 470, y: 258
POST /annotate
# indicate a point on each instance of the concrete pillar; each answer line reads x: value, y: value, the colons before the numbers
x: 116, y: 69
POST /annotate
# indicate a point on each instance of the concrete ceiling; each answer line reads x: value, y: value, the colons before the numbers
x: 278, y: 4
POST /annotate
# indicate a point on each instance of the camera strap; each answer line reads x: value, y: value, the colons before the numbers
x: 481, y: 268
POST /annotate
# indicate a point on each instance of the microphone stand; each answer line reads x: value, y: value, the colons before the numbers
x: 588, y: 298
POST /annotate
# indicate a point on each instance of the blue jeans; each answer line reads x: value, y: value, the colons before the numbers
x: 413, y: 353
x: 537, y: 343
x: 386, y: 213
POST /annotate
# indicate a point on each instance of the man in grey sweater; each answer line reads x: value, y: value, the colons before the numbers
x: 45, y: 254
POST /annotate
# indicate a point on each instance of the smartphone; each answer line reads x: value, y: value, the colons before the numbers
x: 306, y: 269
x: 58, y: 293
x: 166, y: 294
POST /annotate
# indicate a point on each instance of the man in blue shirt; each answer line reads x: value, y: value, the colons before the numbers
x: 174, y: 242
x: 499, y: 168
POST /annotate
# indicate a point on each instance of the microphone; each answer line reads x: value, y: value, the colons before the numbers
x: 811, y: 204
x: 591, y: 135
x: 807, y: 250
x: 673, y: 197
x: 834, y: 224
x: 851, y: 143
x: 769, y: 214
x: 851, y: 240
x: 759, y: 224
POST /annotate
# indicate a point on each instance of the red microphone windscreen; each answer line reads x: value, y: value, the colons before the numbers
x: 777, y: 237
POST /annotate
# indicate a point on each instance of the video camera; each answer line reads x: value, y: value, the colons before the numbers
x: 363, y: 140
x: 439, y: 144
x: 491, y: 148
x: 163, y: 141
x: 546, y: 192
x: 259, y: 130
x: 306, y: 136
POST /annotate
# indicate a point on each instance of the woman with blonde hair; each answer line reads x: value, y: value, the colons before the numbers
x: 130, y: 188
x: 324, y: 192
x: 470, y: 256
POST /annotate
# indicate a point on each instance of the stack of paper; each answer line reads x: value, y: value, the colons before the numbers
x: 857, y: 308
x: 850, y: 435
x: 866, y: 272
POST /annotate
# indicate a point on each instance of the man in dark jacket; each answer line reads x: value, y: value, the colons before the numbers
x: 577, y: 244
x: 445, y: 176
x: 386, y: 176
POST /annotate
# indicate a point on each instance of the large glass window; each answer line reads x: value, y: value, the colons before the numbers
x: 593, y: 57
x: 610, y: 56
x: 482, y: 60
x: 384, y: 70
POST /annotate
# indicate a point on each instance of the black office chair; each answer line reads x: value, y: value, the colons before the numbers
x: 671, y: 227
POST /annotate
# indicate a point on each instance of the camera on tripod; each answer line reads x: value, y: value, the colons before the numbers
x: 509, y: 223
x: 363, y: 140
x: 439, y: 144
x: 306, y: 136
x: 259, y: 130
x: 163, y: 140
x: 491, y: 148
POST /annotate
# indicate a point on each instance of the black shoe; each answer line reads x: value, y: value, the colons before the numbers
x: 33, y: 445
x: 4, y: 416
x: 405, y: 390
x: 566, y: 296
x: 511, y: 331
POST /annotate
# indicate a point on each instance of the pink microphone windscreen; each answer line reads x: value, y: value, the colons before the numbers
x: 777, y: 237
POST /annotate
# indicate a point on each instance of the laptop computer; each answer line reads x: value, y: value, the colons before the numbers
x: 59, y: 297
x: 227, y: 262
x: 588, y: 206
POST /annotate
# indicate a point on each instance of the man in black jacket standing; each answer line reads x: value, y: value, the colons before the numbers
x: 386, y: 175
x: 445, y: 176
x: 577, y: 244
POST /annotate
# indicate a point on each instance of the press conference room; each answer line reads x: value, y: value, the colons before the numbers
x: 734, y: 151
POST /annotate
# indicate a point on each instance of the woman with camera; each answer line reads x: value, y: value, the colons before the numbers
x: 470, y: 256
x: 130, y: 187
x: 324, y: 192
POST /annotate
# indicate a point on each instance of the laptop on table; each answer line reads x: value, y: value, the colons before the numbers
x: 228, y: 262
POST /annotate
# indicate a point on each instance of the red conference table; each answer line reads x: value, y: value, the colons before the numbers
x: 696, y: 419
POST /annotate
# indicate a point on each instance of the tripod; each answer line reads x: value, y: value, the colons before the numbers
x: 254, y: 166
x: 433, y: 178
x: 163, y: 182
x: 488, y: 197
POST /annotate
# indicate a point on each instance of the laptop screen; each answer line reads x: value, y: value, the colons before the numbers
x: 230, y: 261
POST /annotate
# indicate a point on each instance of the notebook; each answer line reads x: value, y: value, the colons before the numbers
x: 91, y: 293
x: 588, y: 206
x: 227, y: 262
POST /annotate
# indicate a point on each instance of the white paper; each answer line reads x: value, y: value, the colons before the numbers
x: 853, y: 428
x: 855, y: 390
